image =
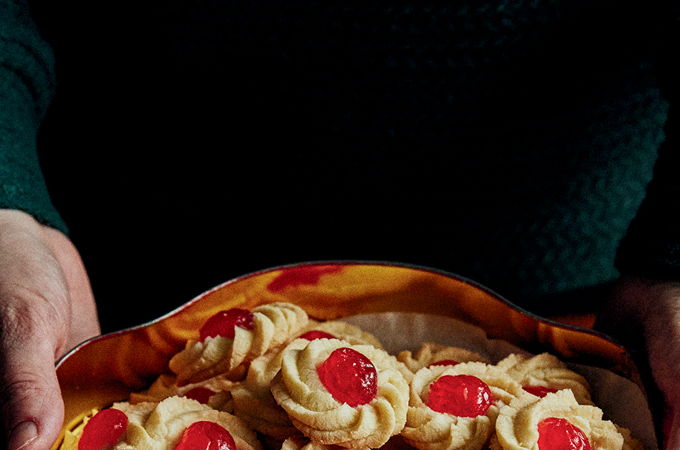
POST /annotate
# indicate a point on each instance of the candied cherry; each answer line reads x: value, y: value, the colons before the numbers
x: 103, y: 429
x: 205, y: 435
x: 460, y: 395
x: 349, y: 376
x: 200, y: 394
x: 316, y: 334
x: 444, y: 362
x: 224, y: 322
x: 555, y: 433
x: 539, y: 391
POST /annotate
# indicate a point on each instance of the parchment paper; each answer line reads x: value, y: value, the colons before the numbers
x: 621, y: 400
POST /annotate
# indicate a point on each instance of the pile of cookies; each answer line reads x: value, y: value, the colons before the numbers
x: 274, y: 378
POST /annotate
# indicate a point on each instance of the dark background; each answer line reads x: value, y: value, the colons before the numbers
x: 177, y: 164
x: 124, y: 151
x: 193, y: 141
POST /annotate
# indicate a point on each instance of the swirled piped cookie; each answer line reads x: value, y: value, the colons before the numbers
x: 337, y: 329
x: 214, y: 392
x: 557, y: 421
x: 253, y: 400
x: 302, y: 443
x: 544, y: 373
x: 232, y: 337
x: 336, y: 393
x: 439, y: 355
x: 176, y: 423
x: 455, y: 407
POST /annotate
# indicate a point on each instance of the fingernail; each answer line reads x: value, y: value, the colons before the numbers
x: 22, y: 435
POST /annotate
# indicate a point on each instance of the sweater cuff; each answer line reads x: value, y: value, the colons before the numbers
x: 22, y: 185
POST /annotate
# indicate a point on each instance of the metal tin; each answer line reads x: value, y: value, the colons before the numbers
x: 107, y: 368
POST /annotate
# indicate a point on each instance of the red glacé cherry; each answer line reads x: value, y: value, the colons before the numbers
x: 539, y: 391
x: 103, y: 429
x: 555, y: 433
x: 460, y: 395
x: 223, y: 323
x: 206, y: 435
x: 349, y: 376
x: 200, y: 394
x: 444, y: 362
x: 316, y: 334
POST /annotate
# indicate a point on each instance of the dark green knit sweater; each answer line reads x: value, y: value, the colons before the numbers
x: 512, y: 142
x: 26, y: 87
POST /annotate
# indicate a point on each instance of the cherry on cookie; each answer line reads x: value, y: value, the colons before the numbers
x: 316, y: 334
x: 224, y: 322
x: 200, y: 394
x: 349, y: 376
x: 460, y: 395
x: 205, y: 435
x: 103, y: 429
x: 556, y: 433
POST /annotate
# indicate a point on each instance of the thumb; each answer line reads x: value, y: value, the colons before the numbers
x: 32, y: 407
x: 34, y: 325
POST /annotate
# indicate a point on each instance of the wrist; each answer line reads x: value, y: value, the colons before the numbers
x: 636, y: 306
x: 15, y: 217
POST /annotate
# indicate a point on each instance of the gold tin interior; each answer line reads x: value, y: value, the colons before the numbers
x: 109, y: 367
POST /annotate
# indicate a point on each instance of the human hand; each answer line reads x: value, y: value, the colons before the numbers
x: 645, y: 315
x: 46, y: 307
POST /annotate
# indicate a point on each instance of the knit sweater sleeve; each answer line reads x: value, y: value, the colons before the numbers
x: 26, y: 87
x: 651, y: 247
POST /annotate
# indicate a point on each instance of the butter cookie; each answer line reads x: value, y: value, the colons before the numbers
x: 174, y: 423
x: 335, y: 393
x: 253, y: 400
x: 338, y: 329
x: 236, y: 336
x: 557, y: 421
x: 214, y: 392
x: 545, y: 373
x: 455, y: 407
x: 435, y: 354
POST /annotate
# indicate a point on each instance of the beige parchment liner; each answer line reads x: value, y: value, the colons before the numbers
x: 621, y: 400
